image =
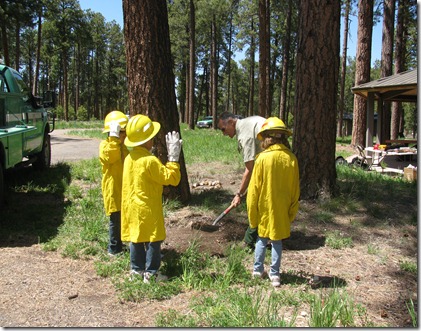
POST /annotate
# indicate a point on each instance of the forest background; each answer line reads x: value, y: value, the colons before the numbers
x: 82, y: 58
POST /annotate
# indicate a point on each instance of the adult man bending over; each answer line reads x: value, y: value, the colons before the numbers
x: 246, y: 131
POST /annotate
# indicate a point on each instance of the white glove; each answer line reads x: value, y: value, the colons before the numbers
x: 173, y: 146
x: 115, y: 129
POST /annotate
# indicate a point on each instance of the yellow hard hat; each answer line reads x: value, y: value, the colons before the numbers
x: 274, y: 124
x: 139, y: 130
x: 115, y: 116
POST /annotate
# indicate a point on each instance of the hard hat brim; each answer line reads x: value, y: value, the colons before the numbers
x: 278, y: 130
x: 119, y: 121
x: 156, y: 128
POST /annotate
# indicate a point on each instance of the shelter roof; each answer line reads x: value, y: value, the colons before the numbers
x: 399, y: 87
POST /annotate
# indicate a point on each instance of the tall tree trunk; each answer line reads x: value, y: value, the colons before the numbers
x: 187, y: 95
x: 316, y: 96
x: 343, y: 69
x: 200, y: 97
x: 250, y: 109
x: 151, y: 81
x: 183, y: 93
x: 264, y: 58
x: 192, y: 65
x: 17, y: 45
x: 285, y: 66
x: 38, y: 53
x: 397, y: 121
x: 214, y: 73
x: 65, y: 88
x: 362, y: 69
x: 96, y: 87
x: 5, y: 41
x: 228, y: 103
x: 77, y: 76
x: 387, y: 59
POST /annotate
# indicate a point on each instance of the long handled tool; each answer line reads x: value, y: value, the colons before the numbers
x: 226, y: 211
x: 211, y: 227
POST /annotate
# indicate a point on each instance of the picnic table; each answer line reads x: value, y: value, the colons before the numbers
x: 379, y: 154
x: 405, y: 142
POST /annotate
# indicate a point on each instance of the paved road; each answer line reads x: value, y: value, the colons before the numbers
x: 70, y: 148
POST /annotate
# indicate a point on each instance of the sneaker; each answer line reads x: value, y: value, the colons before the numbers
x: 147, y: 277
x: 136, y: 274
x: 276, y: 281
x: 257, y: 274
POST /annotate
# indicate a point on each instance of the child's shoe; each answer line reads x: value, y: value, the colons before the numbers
x: 136, y: 274
x: 276, y: 280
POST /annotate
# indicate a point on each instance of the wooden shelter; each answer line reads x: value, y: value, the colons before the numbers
x: 400, y: 87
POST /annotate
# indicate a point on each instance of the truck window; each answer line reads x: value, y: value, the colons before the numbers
x: 22, y: 86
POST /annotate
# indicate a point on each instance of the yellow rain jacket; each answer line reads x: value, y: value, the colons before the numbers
x: 111, y: 155
x: 144, y: 176
x: 273, y: 192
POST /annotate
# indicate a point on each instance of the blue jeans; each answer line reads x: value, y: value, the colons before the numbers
x: 145, y: 256
x: 260, y: 252
x: 115, y: 245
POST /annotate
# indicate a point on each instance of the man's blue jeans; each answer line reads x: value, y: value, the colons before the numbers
x: 115, y: 245
x: 260, y: 253
x: 145, y: 256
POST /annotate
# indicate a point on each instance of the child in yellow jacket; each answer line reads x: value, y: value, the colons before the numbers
x: 273, y: 194
x: 144, y: 177
x: 111, y: 155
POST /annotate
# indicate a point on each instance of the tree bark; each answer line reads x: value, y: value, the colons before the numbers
x: 343, y: 68
x: 250, y: 109
x: 397, y: 120
x: 285, y: 67
x: 362, y: 70
x: 214, y: 73
x: 316, y: 97
x: 192, y: 65
x: 38, y: 53
x: 264, y: 58
x: 151, y: 81
x: 387, y: 59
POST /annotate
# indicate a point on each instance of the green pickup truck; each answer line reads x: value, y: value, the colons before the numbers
x: 25, y: 126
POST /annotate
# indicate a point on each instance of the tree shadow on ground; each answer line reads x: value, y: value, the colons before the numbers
x: 314, y: 281
x: 34, y: 206
x: 300, y: 241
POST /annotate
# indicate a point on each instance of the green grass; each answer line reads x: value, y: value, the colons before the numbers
x: 70, y: 219
x: 338, y: 240
x: 409, y: 266
x: 332, y: 309
x: 200, y: 146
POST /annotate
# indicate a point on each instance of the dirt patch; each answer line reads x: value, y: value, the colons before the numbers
x: 44, y: 289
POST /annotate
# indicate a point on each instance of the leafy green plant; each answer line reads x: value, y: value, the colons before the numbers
x: 372, y: 249
x: 412, y: 312
x: 332, y: 309
x: 337, y: 240
x: 409, y: 267
x: 233, y: 307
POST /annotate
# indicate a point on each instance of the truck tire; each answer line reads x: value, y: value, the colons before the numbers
x: 43, y: 160
x: 1, y: 187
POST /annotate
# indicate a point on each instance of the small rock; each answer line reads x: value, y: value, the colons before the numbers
x: 384, y: 314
